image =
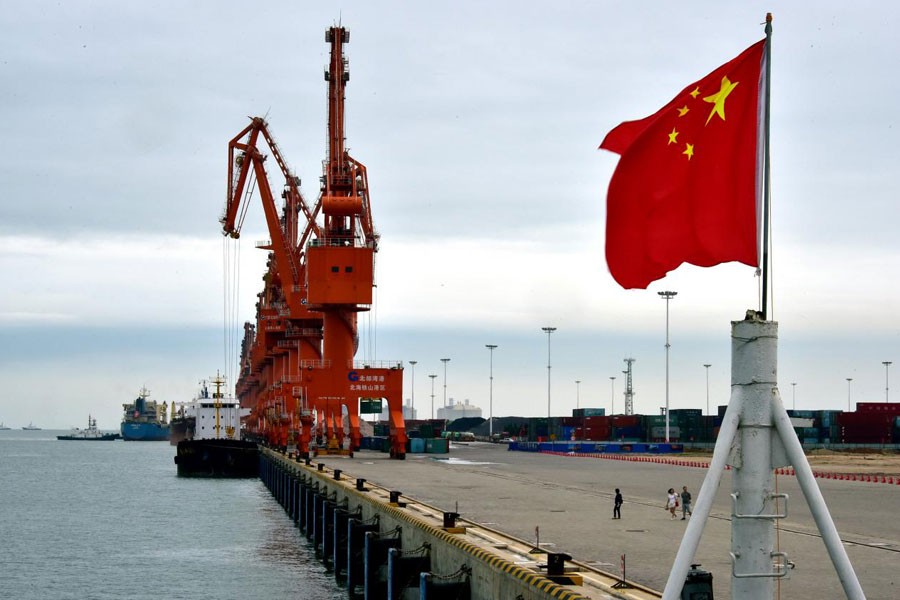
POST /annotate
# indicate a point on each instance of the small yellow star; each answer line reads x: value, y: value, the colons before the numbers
x: 718, y: 99
x: 683, y: 110
x: 689, y: 150
x: 673, y: 137
x: 695, y: 93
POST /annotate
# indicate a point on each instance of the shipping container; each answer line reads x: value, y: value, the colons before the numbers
x: 688, y: 412
x: 659, y: 433
x: 437, y: 446
x: 632, y: 431
x: 588, y: 412
x: 827, y: 418
x: 852, y: 434
x: 625, y: 420
x: 870, y: 419
x: 892, y: 408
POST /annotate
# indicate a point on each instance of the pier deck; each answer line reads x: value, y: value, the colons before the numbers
x: 570, y: 499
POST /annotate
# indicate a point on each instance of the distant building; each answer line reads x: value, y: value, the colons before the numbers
x: 458, y: 411
x: 409, y: 413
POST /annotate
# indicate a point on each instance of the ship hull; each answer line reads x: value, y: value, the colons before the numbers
x: 106, y: 437
x: 181, y: 429
x: 217, y: 458
x: 144, y: 432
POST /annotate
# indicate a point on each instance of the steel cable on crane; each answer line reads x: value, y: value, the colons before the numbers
x: 245, y: 203
x: 231, y: 252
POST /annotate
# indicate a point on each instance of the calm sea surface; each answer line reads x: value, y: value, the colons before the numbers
x: 112, y: 520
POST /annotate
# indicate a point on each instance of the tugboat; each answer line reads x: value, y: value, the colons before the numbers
x: 217, y: 449
x: 31, y: 427
x: 144, y: 420
x: 89, y: 434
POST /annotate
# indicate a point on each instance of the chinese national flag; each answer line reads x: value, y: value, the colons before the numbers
x: 688, y: 182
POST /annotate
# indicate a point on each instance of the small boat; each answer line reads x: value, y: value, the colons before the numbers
x: 31, y: 427
x: 91, y: 433
x: 3, y: 427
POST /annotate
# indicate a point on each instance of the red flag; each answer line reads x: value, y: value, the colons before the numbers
x: 687, y: 186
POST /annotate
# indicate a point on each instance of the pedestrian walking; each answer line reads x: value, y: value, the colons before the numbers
x: 685, y: 502
x: 617, y: 505
x: 671, y: 502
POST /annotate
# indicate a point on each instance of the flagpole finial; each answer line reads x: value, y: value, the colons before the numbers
x: 768, y: 17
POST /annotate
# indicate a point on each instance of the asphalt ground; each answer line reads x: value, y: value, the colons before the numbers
x: 571, y: 498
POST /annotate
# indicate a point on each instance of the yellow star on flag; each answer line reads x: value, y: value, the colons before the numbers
x: 689, y: 150
x: 683, y: 110
x: 718, y: 99
x: 695, y: 93
x: 673, y: 137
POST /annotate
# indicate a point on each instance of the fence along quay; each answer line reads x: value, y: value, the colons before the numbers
x: 380, y: 544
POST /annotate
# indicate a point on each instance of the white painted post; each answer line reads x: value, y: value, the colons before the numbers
x: 754, y: 360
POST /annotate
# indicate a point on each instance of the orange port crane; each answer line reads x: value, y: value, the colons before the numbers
x: 287, y: 333
x: 317, y: 282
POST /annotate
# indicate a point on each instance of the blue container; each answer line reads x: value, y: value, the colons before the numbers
x: 417, y: 445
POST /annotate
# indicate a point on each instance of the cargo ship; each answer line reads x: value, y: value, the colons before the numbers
x: 31, y: 427
x: 144, y: 420
x: 217, y: 449
x: 3, y: 427
x: 89, y: 434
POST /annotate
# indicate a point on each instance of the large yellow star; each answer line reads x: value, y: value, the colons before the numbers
x: 689, y: 150
x: 673, y: 137
x: 718, y: 99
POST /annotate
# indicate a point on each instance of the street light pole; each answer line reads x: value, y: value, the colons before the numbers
x: 549, y: 330
x: 432, y: 396
x: 886, y: 364
x: 707, y: 387
x: 445, y: 361
x: 577, y: 394
x: 491, y: 409
x: 794, y: 395
x: 849, y: 404
x: 612, y: 396
x: 668, y: 296
x: 412, y: 410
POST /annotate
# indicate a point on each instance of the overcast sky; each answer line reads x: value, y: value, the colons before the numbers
x: 479, y: 124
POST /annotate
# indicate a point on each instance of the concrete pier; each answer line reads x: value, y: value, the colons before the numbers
x: 571, y: 500
x: 497, y: 566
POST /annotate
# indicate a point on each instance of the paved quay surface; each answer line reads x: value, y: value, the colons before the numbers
x: 570, y: 499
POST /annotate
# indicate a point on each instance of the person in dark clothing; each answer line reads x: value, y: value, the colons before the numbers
x: 617, y: 512
x: 686, y: 508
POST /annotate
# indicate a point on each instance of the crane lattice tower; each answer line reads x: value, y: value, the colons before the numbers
x: 629, y: 390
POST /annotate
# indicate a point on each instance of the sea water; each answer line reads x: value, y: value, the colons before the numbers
x: 88, y: 519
